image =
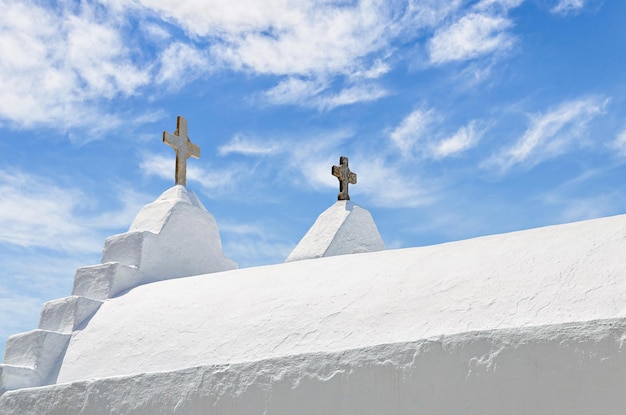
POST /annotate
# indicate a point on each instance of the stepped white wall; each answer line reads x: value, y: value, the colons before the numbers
x: 171, y: 237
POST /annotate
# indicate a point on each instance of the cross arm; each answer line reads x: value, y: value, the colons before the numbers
x: 352, y: 178
x: 194, y: 150
x: 171, y: 140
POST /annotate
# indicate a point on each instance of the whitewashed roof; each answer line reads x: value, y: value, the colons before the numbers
x: 556, y: 274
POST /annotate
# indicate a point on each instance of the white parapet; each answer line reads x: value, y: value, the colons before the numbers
x: 124, y: 248
x: 17, y: 377
x: 65, y: 315
x: 344, y: 228
x: 103, y: 281
x: 174, y: 236
x: 38, y: 350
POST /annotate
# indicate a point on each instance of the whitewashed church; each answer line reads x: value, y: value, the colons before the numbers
x: 530, y: 322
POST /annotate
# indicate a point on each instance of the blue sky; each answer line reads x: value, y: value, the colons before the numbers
x: 461, y: 119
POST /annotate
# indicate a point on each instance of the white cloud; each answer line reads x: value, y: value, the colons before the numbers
x: 378, y: 69
x: 577, y: 209
x: 424, y: 133
x: 155, y: 165
x: 413, y: 128
x: 38, y: 213
x: 619, y: 143
x: 180, y: 64
x: 131, y: 203
x: 387, y: 184
x: 308, y: 43
x: 294, y: 90
x: 257, y: 251
x: 16, y: 310
x: 350, y: 95
x: 69, y: 60
x: 284, y: 37
x: 421, y: 132
x: 567, y: 6
x: 57, y: 62
x: 313, y: 156
x: 551, y: 133
x: 420, y: 14
x: 474, y: 35
x: 242, y: 145
x: 156, y: 32
x: 317, y: 94
x: 34, y: 213
x: 491, y: 4
x: 303, y: 160
x: 258, y: 243
x: 465, y: 138
x: 217, y: 181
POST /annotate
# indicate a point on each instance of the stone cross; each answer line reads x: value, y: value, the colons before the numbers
x: 345, y: 176
x: 184, y: 148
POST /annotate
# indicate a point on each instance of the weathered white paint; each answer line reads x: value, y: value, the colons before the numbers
x: 573, y: 369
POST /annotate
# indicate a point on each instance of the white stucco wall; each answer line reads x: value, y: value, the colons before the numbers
x: 569, y: 369
x: 551, y: 275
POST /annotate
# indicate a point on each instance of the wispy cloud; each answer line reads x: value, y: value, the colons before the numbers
x: 383, y: 180
x: 246, y: 146
x: 180, y: 64
x: 64, y: 61
x: 465, y: 138
x: 474, y: 35
x: 304, y: 162
x: 568, y: 6
x: 423, y: 133
x: 257, y: 243
x: 312, y: 157
x: 306, y: 44
x: 583, y: 208
x: 377, y: 69
x: 619, y: 144
x: 412, y: 129
x: 318, y: 94
x: 293, y: 90
x: 16, y: 309
x: 283, y: 37
x: 581, y: 197
x: 161, y: 166
x: 216, y: 181
x: 551, y: 133
x: 495, y: 5
x: 350, y: 95
x: 39, y: 213
x: 389, y: 184
x: 58, y: 63
x: 309, y: 156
